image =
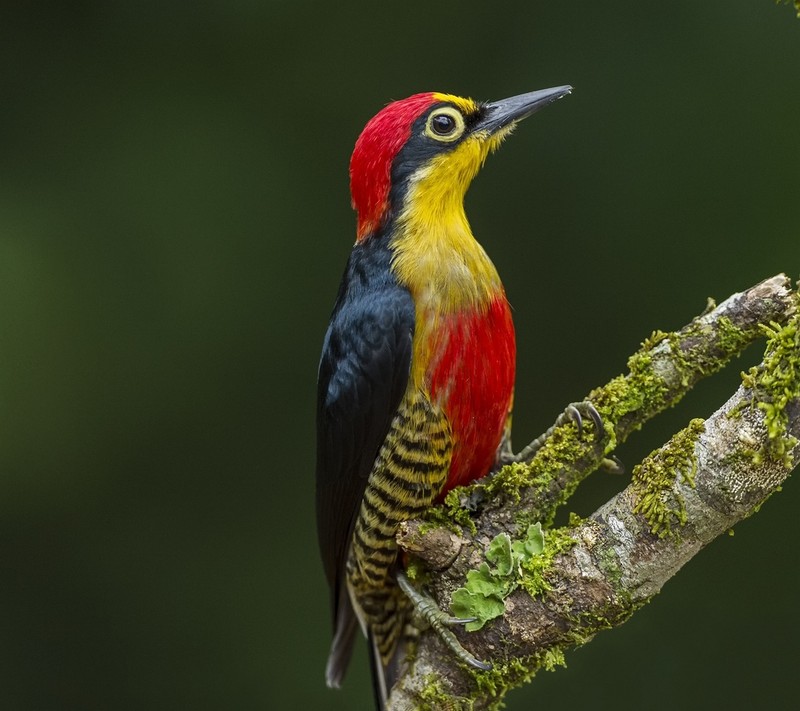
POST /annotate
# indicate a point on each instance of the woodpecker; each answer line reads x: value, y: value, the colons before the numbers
x: 416, y: 378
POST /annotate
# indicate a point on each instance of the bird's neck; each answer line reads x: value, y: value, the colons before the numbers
x: 437, y: 258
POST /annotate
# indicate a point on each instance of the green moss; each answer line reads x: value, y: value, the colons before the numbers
x: 646, y: 391
x: 416, y: 570
x: 632, y: 392
x: 727, y: 338
x: 641, y: 385
x: 774, y: 384
x: 494, y: 683
x: 527, y: 562
x: 575, y: 520
x: 508, y: 675
x: 561, y: 448
x: 512, y: 478
x: 535, y: 570
x: 653, y: 480
x: 452, y: 513
x: 434, y: 697
x: 731, y: 339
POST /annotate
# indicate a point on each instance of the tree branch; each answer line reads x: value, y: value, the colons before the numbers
x: 595, y: 573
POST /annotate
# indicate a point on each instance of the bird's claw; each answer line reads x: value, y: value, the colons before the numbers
x: 451, y: 621
x: 613, y: 465
x: 577, y: 413
x: 429, y: 611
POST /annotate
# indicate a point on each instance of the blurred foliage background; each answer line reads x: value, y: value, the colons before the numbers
x: 174, y: 220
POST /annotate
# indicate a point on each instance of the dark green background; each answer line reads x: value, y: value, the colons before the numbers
x: 174, y: 219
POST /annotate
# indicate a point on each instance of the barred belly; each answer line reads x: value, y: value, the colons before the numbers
x: 409, y: 473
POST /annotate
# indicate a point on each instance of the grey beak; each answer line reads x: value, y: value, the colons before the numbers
x: 499, y: 114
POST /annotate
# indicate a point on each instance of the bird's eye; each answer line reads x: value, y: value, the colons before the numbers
x: 445, y: 124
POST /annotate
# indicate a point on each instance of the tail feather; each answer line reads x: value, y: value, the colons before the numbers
x: 384, y: 677
x: 389, y: 635
x: 379, y: 680
x: 342, y: 645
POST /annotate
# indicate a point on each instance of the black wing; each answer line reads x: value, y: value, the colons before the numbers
x: 363, y: 375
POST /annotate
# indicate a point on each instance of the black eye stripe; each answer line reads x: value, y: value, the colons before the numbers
x: 473, y: 117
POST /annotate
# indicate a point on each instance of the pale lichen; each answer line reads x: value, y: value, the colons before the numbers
x: 536, y: 569
x: 508, y: 564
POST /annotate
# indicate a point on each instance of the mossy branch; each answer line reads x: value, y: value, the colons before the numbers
x: 594, y: 573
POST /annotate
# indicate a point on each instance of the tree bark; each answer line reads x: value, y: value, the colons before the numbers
x: 594, y: 573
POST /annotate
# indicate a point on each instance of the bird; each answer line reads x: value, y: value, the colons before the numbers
x: 416, y: 377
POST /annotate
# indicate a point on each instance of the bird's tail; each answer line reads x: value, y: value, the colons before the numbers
x: 343, y: 640
x: 384, y: 676
x: 386, y: 635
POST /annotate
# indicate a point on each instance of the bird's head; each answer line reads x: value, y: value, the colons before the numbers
x: 433, y: 144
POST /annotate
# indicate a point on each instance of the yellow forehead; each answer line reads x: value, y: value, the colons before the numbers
x: 466, y: 106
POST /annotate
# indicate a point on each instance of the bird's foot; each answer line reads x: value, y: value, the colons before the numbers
x: 439, y: 620
x: 576, y: 412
